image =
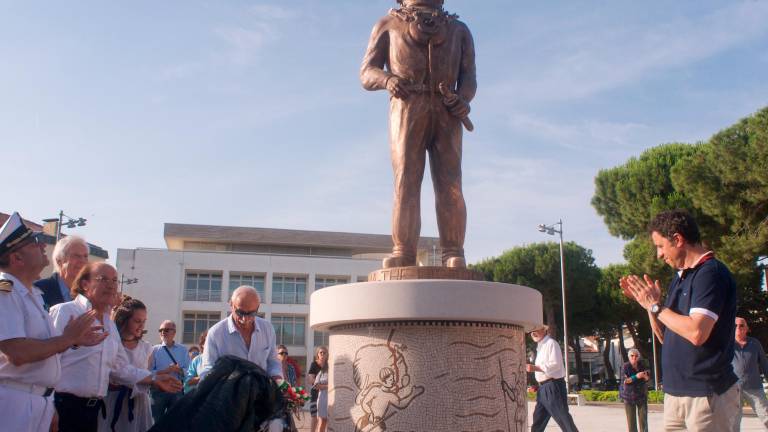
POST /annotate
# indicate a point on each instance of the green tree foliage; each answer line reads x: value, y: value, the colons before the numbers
x: 629, y: 195
x: 728, y: 181
x: 538, y: 266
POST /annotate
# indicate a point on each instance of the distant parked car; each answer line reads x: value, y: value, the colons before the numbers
x: 609, y: 384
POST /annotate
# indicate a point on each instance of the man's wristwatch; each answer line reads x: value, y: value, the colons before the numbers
x: 656, y: 309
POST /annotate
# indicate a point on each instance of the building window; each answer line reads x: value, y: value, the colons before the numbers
x: 289, y: 329
x: 239, y: 279
x: 289, y: 289
x: 321, y: 338
x: 326, y: 281
x: 195, y: 323
x: 202, y: 287
x: 362, y: 278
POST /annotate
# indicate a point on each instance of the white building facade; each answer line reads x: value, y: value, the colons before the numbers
x: 191, y: 281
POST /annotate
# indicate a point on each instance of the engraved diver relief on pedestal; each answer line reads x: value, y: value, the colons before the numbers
x: 427, y: 376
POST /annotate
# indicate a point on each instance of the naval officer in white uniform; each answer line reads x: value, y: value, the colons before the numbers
x: 29, y: 344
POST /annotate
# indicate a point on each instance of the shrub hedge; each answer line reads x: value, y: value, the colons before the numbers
x: 654, y: 397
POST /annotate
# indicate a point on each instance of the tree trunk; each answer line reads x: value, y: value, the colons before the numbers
x: 610, y: 373
x: 551, y: 320
x: 577, y: 357
x: 640, y: 344
x: 622, y: 348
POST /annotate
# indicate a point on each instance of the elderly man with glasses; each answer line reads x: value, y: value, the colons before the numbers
x: 245, y: 335
x: 749, y: 363
x: 168, y: 356
x: 70, y: 255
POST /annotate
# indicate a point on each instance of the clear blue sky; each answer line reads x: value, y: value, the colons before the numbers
x: 251, y: 113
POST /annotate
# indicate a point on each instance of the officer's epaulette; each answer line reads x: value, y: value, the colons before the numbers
x: 6, y: 285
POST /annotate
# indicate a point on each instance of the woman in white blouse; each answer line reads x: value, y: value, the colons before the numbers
x: 87, y: 371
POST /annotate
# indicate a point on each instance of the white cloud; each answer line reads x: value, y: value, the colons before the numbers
x: 596, y: 135
x: 602, y: 58
x: 263, y: 26
x: 272, y: 12
x: 178, y: 71
x: 245, y: 43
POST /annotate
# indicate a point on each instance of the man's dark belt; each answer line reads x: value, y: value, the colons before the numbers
x: 551, y: 380
x: 96, y: 403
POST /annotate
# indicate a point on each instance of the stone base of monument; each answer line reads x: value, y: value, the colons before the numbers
x: 427, y: 355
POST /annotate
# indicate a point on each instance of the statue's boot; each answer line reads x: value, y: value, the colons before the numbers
x: 455, y: 262
x: 397, y: 260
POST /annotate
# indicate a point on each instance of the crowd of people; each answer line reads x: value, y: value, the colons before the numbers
x: 73, y: 355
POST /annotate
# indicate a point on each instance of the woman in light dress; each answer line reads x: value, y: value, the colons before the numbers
x: 129, y: 316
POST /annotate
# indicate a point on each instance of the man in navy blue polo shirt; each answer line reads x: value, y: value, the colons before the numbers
x: 696, y: 325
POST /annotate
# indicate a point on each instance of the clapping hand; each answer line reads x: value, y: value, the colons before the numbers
x: 167, y: 383
x: 81, y: 331
x: 644, y: 291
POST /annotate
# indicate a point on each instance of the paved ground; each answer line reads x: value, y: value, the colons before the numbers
x: 602, y: 418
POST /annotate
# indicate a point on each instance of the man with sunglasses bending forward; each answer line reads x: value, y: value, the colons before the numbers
x: 243, y: 334
x: 168, y: 356
x: 696, y: 325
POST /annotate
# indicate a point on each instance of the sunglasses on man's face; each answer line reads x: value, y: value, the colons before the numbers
x: 243, y: 314
x: 166, y: 330
x: 283, y: 353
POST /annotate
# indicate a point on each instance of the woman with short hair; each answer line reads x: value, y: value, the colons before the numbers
x: 633, y: 390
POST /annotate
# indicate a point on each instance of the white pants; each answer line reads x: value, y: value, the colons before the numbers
x: 25, y: 412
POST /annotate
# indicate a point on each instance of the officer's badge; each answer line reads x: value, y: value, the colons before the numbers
x: 6, y: 285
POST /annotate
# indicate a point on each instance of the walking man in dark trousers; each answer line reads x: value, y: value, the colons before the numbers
x: 551, y: 399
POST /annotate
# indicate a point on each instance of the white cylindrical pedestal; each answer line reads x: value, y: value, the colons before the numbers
x: 427, y: 355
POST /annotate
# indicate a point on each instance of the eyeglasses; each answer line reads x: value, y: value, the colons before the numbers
x: 166, y: 330
x: 243, y: 314
x: 105, y: 280
x: 283, y: 353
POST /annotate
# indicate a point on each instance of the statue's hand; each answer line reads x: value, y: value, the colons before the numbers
x: 457, y: 107
x: 398, y: 87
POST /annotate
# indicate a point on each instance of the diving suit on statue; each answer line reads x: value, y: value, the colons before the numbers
x: 425, y: 58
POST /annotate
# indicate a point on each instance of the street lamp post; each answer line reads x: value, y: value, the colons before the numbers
x: 551, y: 230
x: 64, y: 219
x: 126, y: 281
